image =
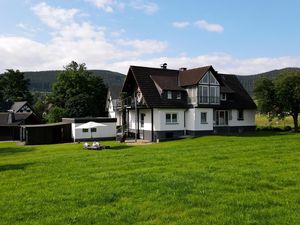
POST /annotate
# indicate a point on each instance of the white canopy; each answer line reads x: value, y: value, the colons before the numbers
x: 90, y: 124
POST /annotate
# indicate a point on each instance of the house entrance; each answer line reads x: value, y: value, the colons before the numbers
x: 221, y: 117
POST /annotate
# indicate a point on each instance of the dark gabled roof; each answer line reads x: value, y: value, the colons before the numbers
x: 151, y: 80
x: 18, y: 118
x: 115, y: 91
x: 239, y: 98
x: 18, y: 105
x: 192, y: 76
x: 14, y: 106
x: 144, y: 77
x: 167, y: 82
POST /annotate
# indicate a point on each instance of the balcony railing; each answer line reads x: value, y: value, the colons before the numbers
x: 209, y: 100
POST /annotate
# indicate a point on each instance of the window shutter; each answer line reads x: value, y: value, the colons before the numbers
x: 214, y: 115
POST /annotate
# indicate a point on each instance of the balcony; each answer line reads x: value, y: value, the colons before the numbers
x: 209, y: 100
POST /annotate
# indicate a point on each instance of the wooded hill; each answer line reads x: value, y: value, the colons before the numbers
x: 249, y: 80
x: 42, y: 80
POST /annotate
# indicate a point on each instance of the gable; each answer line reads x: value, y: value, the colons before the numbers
x: 209, y: 78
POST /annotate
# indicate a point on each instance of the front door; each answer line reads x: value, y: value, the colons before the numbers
x: 221, y: 117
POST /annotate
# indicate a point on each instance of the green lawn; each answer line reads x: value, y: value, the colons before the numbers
x: 207, y: 180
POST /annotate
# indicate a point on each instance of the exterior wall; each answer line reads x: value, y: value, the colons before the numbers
x: 46, y: 134
x: 193, y: 119
x: 105, y: 132
x: 160, y: 120
x: 249, y: 118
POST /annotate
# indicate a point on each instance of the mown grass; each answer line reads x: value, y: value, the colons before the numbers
x: 251, y: 179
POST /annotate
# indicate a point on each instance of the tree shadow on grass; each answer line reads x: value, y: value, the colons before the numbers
x: 14, y: 166
x: 11, y: 150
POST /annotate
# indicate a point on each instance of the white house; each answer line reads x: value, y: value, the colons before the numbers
x: 163, y: 103
x: 113, y: 103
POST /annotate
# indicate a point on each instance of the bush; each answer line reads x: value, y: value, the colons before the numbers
x: 270, y: 128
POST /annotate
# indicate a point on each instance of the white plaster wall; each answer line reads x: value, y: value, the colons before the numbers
x: 198, y: 125
x: 160, y: 119
x: 190, y: 119
x: 249, y: 118
x: 147, y: 119
x: 102, y: 132
x: 131, y: 119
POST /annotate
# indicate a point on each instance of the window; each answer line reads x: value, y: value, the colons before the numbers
x: 142, y: 120
x: 213, y: 80
x: 93, y: 130
x: 240, y: 114
x: 205, y: 79
x: 171, y: 118
x: 178, y: 95
x: 169, y: 94
x: 223, y: 96
x: 84, y: 130
x: 203, y: 93
x: 221, y: 117
x: 203, y: 117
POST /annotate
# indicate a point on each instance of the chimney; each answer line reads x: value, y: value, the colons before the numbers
x: 182, y: 69
x: 164, y: 66
x: 11, y: 116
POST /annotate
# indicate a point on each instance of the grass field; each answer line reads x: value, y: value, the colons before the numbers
x: 213, y: 180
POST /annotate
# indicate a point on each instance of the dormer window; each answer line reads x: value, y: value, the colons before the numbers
x: 169, y: 94
x: 223, y: 96
x: 178, y: 95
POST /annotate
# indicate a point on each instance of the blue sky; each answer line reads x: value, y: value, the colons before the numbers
x: 240, y: 37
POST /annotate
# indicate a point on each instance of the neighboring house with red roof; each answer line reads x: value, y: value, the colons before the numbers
x: 163, y: 103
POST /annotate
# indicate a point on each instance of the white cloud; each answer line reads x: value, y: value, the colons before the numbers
x: 86, y: 43
x: 144, y: 46
x: 107, y: 5
x: 180, y: 24
x: 224, y: 63
x: 211, y: 27
x: 54, y: 17
x: 148, y: 7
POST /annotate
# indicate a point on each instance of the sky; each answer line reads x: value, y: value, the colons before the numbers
x: 238, y: 37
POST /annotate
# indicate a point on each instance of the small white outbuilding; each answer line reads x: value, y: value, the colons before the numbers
x: 92, y: 128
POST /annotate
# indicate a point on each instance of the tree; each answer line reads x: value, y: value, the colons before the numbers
x: 14, y: 86
x: 79, y: 92
x: 280, y: 97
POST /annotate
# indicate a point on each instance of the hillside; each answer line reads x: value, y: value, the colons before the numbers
x: 249, y: 80
x: 43, y: 80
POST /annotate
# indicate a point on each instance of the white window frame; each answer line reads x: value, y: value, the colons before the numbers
x: 240, y: 116
x: 203, y: 121
x: 169, y: 94
x: 143, y: 120
x: 178, y: 95
x: 172, y: 118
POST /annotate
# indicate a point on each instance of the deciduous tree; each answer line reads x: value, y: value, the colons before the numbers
x: 280, y: 97
x: 14, y: 86
x: 79, y: 92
